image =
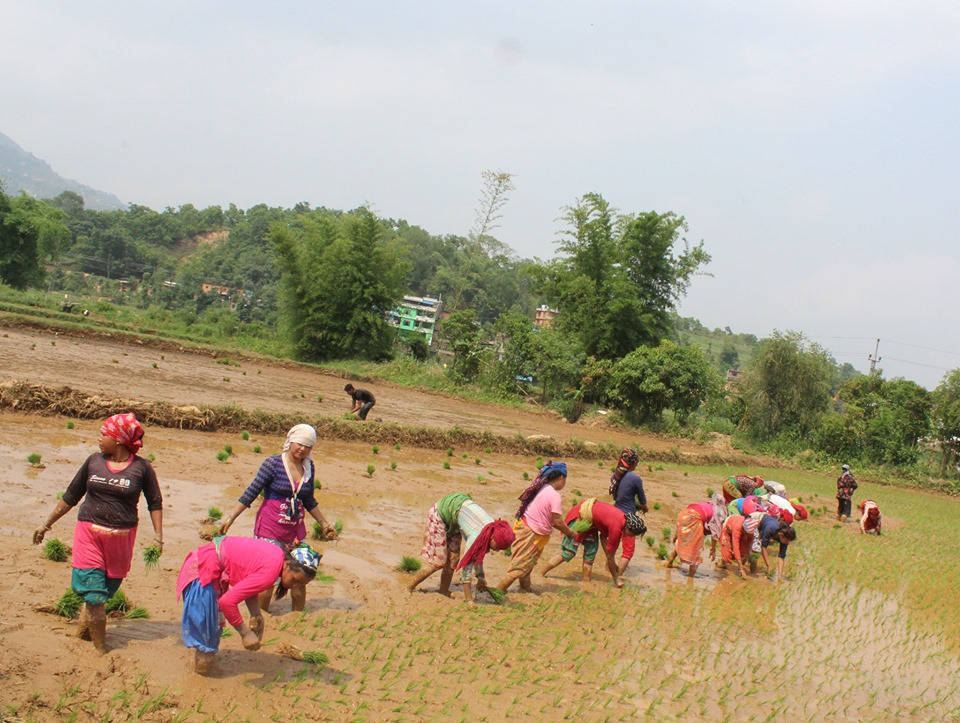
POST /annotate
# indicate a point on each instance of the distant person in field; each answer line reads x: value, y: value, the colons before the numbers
x: 363, y: 401
x: 540, y: 513
x: 110, y: 483
x: 740, y: 486
x: 626, y: 488
x: 216, y: 577
x: 596, y: 524
x: 846, y: 486
x: 453, y: 520
x: 693, y: 525
x: 286, y: 483
x: 736, y: 541
x: 870, y: 518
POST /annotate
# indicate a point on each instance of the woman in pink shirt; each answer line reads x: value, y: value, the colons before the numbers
x: 688, y: 540
x: 216, y: 577
x: 539, y: 514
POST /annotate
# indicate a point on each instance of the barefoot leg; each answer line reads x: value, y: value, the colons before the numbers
x: 298, y: 597
x: 83, y: 624
x: 424, y: 573
x: 203, y: 662
x: 97, y: 617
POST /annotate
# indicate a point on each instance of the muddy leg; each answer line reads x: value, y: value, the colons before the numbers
x: 264, y: 599
x: 424, y: 573
x: 97, y: 617
x: 298, y: 597
x: 525, y: 583
x: 693, y: 570
x: 446, y: 578
x: 83, y: 624
x: 555, y: 562
x: 203, y: 662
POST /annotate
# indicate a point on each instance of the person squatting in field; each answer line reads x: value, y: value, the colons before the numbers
x: 286, y: 481
x: 696, y: 521
x: 626, y: 488
x: 110, y: 484
x: 769, y: 529
x: 596, y: 524
x: 870, y: 518
x: 540, y: 513
x: 363, y: 401
x: 452, y: 520
x: 736, y: 541
x: 846, y: 486
x: 215, y: 578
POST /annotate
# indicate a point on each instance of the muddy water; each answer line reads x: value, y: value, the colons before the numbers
x: 816, y: 647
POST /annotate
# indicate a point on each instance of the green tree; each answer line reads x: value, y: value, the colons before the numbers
x: 651, y: 380
x: 618, y: 278
x: 340, y: 276
x: 462, y: 335
x: 946, y: 421
x: 31, y: 232
x: 786, y: 387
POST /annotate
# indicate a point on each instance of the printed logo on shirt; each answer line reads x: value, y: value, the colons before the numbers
x: 123, y: 482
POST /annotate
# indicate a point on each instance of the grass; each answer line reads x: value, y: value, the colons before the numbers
x: 409, y: 564
x: 55, y: 550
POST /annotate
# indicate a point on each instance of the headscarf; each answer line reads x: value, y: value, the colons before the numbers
x: 802, y: 513
x: 534, y: 487
x: 628, y: 461
x: 306, y: 556
x: 125, y: 429
x: 715, y: 524
x: 634, y: 524
x: 302, y: 434
x: 498, y: 531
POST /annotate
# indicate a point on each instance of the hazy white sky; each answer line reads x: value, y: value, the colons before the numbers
x: 813, y: 146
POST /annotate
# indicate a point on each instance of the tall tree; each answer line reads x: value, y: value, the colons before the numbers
x: 618, y: 277
x: 31, y: 232
x: 339, y: 278
x: 946, y: 421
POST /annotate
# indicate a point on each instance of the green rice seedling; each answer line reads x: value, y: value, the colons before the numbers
x: 499, y: 596
x: 375, y: 449
x: 137, y: 613
x: 477, y: 460
x: 70, y: 424
x: 151, y: 557
x: 526, y: 475
x: 228, y: 448
x: 119, y: 603
x: 446, y: 465
x: 245, y: 435
x: 55, y: 550
x: 225, y: 632
x: 223, y: 455
x: 370, y: 470
x: 675, y: 493
x: 317, y: 532
x: 481, y: 479
x: 317, y: 484
x: 214, y: 513
x: 487, y: 450
x: 315, y: 657
x: 60, y: 495
x: 226, y: 379
x: 155, y: 366
x: 396, y: 447
x: 320, y: 398
x: 338, y: 526
x: 150, y: 457
x: 709, y: 492
x: 599, y: 463
x: 68, y: 606
x: 393, y: 464
x: 409, y: 563
x: 539, y: 462
x: 464, y: 455
x: 256, y: 449
x: 659, y: 468
x: 34, y: 459
x: 662, y: 551
x: 650, y: 540
x: 657, y: 505
x: 449, y: 451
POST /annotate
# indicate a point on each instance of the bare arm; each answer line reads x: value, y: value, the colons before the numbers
x: 559, y: 524
x: 231, y: 518
x: 59, y: 511
x: 156, y: 517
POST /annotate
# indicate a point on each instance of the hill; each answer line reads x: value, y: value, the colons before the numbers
x: 20, y: 170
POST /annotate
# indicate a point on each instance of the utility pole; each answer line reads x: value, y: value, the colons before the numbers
x: 874, y: 358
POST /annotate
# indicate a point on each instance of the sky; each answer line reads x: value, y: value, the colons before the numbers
x: 813, y: 147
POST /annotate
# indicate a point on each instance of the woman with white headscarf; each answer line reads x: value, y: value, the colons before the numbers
x: 286, y: 482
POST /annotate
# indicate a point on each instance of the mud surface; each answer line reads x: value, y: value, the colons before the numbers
x: 667, y: 646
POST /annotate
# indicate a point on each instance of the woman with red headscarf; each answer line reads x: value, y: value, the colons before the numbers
x: 453, y: 519
x: 110, y: 483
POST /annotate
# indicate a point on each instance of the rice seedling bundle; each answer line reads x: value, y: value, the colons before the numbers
x: 409, y: 564
x: 68, y: 606
x: 55, y: 550
x: 119, y: 603
x: 137, y: 613
x: 151, y: 557
x: 499, y: 596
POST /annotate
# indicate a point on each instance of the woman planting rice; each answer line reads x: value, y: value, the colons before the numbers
x: 626, y: 488
x: 286, y: 481
x: 769, y: 529
x: 110, y: 483
x: 693, y: 524
x: 539, y: 514
x: 740, y: 486
x: 596, y: 523
x: 453, y: 519
x: 736, y: 539
x: 870, y: 518
x: 216, y: 577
